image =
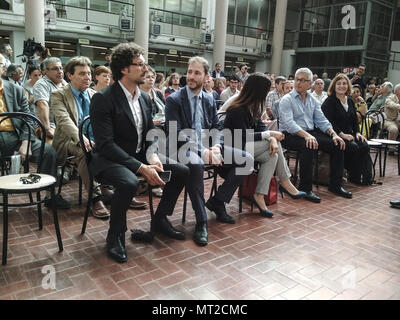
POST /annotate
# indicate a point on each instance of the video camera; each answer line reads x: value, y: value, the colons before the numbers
x: 30, y: 47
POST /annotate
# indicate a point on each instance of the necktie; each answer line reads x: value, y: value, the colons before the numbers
x: 197, y: 118
x: 84, y: 106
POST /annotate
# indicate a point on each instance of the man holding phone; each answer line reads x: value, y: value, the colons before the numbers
x: 121, y: 118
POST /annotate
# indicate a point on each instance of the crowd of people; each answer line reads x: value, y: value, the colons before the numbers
x: 127, y: 99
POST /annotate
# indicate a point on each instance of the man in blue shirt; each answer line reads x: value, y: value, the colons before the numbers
x: 307, y: 130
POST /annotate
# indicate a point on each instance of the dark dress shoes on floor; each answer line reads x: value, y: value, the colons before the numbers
x: 218, y: 207
x: 163, y: 226
x: 116, y: 248
x: 142, y: 236
x: 311, y: 196
x: 200, y: 236
x: 342, y: 192
x: 137, y: 204
x: 395, y: 204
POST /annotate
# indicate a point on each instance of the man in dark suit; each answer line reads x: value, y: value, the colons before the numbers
x: 121, y: 118
x: 14, y: 134
x: 192, y: 110
x: 218, y: 73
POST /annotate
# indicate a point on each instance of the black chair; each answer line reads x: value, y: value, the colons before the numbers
x: 22, y: 183
x: 85, y: 130
x: 70, y: 163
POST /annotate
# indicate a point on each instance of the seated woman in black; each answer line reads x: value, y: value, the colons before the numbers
x: 244, y: 113
x: 340, y: 110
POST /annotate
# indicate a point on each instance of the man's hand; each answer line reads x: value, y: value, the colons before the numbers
x: 149, y: 172
x: 279, y: 136
x: 311, y: 142
x: 155, y: 160
x: 213, y: 156
x: 22, y: 150
x: 88, y: 144
x: 359, y: 137
x: 273, y: 146
x: 50, y: 133
x: 338, y: 140
x: 347, y: 137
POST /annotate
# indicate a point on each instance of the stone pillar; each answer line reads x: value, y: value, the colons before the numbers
x: 34, y: 20
x: 17, y: 44
x: 279, y: 36
x: 221, y: 22
x: 142, y: 25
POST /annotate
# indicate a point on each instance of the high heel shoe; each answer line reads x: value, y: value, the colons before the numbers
x: 265, y: 213
x: 299, y: 195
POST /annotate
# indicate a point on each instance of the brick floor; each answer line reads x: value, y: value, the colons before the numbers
x: 339, y: 249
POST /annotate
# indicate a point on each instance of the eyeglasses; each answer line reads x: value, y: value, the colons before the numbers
x: 302, y: 80
x: 140, y: 65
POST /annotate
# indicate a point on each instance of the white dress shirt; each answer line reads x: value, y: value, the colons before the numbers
x: 136, y: 112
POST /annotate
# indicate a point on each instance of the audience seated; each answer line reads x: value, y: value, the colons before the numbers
x: 340, y: 110
x: 14, y: 135
x: 245, y: 113
x: 392, y: 111
x: 299, y: 115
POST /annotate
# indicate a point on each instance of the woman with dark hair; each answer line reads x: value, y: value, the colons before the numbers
x: 245, y: 113
x: 34, y: 75
x: 340, y: 110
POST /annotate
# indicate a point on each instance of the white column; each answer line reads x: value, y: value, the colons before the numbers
x: 34, y: 20
x: 279, y: 35
x: 142, y: 23
x: 221, y: 22
x: 17, y: 44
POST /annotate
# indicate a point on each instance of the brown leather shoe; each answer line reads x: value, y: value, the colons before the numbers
x: 107, y: 194
x: 136, y: 204
x: 99, y: 210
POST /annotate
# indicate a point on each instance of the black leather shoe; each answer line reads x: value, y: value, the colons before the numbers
x: 311, y: 196
x: 163, y: 226
x: 218, y: 208
x: 395, y: 204
x: 116, y: 248
x: 200, y: 236
x: 341, y: 192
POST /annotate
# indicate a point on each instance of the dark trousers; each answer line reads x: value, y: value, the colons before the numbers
x: 126, y: 183
x: 356, y: 159
x: 10, y: 142
x: 325, y: 143
x: 228, y: 172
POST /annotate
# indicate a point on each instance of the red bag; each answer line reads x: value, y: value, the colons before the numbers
x: 249, y: 185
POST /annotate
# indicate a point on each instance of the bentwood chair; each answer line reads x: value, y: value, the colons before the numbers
x: 85, y: 129
x: 27, y: 182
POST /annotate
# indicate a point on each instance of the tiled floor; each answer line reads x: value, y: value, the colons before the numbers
x: 339, y: 249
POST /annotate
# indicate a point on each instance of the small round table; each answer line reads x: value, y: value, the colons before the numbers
x: 386, y: 144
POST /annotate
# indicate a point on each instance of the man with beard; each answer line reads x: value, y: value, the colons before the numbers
x: 121, y: 116
x: 191, y: 109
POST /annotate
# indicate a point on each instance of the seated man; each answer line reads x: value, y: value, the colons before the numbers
x: 70, y: 106
x: 121, y: 117
x: 190, y: 109
x: 392, y: 111
x: 14, y: 135
x: 299, y: 114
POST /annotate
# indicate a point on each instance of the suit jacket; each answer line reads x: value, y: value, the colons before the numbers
x: 65, y: 113
x: 114, y: 130
x: 16, y: 101
x: 221, y: 73
x: 177, y: 108
x: 341, y: 120
x: 392, y: 107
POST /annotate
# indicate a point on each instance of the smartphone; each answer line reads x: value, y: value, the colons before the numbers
x: 165, y: 176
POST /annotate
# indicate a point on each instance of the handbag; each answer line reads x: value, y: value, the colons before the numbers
x: 249, y: 185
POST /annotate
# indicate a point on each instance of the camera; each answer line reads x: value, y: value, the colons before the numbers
x: 30, y: 47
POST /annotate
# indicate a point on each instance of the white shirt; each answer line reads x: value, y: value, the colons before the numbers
x: 320, y: 98
x: 227, y: 93
x: 136, y: 112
